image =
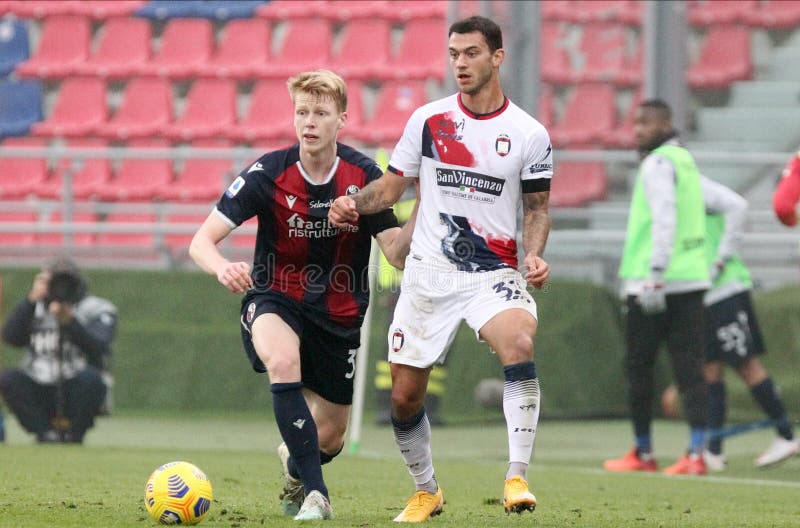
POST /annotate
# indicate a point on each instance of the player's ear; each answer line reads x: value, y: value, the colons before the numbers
x: 498, y: 57
x: 342, y: 119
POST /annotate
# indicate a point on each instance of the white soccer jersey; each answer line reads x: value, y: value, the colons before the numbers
x: 472, y: 169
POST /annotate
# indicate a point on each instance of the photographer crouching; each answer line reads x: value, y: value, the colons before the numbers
x: 64, y: 378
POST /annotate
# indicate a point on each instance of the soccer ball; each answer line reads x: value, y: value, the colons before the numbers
x: 177, y: 493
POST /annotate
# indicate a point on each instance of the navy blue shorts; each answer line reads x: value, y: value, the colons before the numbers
x: 327, y: 354
x: 732, y: 331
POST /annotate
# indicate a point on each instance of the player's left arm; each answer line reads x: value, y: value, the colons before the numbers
x: 535, y: 230
x: 719, y: 199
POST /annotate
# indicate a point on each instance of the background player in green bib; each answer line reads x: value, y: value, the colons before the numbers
x: 665, y: 275
x: 733, y: 334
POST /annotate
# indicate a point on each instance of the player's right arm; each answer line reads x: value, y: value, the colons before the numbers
x: 376, y: 196
x: 235, y: 276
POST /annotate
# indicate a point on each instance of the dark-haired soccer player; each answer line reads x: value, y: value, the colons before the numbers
x: 478, y: 157
x: 308, y: 289
x: 665, y: 275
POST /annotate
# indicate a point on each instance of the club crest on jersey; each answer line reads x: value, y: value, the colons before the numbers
x: 397, y: 340
x: 502, y: 145
x: 251, y: 311
x: 290, y: 198
x: 235, y: 187
x: 351, y: 189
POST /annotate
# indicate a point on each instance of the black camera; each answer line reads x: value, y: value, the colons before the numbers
x: 66, y: 287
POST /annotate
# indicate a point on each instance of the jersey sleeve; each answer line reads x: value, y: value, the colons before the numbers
x: 537, y: 167
x: 787, y: 194
x: 241, y: 199
x: 407, y: 154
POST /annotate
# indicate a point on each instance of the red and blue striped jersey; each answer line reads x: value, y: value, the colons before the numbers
x: 298, y: 252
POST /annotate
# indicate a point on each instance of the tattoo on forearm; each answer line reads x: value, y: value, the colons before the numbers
x: 536, y: 223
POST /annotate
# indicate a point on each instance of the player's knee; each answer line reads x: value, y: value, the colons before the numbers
x: 283, y: 367
x: 406, y: 404
x: 326, y: 455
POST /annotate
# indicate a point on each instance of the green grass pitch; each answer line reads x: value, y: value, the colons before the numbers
x: 101, y: 484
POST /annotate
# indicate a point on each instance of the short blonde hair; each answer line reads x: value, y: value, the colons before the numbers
x: 322, y: 83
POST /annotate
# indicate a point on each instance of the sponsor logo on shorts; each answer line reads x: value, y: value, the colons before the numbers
x: 398, y: 338
x: 251, y: 311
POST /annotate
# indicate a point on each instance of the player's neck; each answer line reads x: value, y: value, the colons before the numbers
x: 317, y: 165
x: 487, y: 100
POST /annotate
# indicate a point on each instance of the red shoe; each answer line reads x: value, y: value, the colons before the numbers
x: 688, y: 465
x: 631, y: 462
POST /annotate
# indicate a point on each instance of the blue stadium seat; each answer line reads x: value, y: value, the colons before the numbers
x: 13, y: 45
x: 212, y: 9
x: 20, y: 106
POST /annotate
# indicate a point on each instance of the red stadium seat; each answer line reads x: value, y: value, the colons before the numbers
x: 589, y: 115
x: 554, y: 57
x: 210, y: 110
x: 604, y: 48
x: 270, y: 116
x: 592, y: 11
x: 576, y: 184
x: 18, y: 237
x: 774, y: 14
x: 292, y: 9
x: 140, y: 234
x: 103, y: 9
x: 355, y: 111
x: 347, y: 10
x: 139, y: 179
x: 306, y: 46
x: 200, y: 180
x: 622, y: 136
x: 403, y: 10
x: 396, y: 102
x: 545, y: 111
x: 243, y: 49
x: 145, y: 109
x: 422, y: 51
x: 92, y: 175
x: 64, y: 43
x: 365, y: 49
x: 179, y: 242
x: 39, y: 8
x: 21, y: 177
x: 725, y: 57
x: 80, y: 238
x: 716, y: 12
x: 186, y: 45
x: 123, y: 49
x: 79, y: 109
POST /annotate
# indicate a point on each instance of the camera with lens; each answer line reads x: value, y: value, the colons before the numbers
x: 65, y: 287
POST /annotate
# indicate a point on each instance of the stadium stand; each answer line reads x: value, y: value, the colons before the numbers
x: 281, y: 10
x: 716, y: 12
x: 186, y: 45
x: 145, y: 109
x: 588, y: 117
x: 132, y: 230
x: 605, y: 55
x: 244, y: 48
x: 556, y: 63
x: 210, y: 110
x: 270, y: 114
x: 21, y: 177
x: 306, y: 45
x: 774, y: 14
x: 122, y: 51
x: 725, y: 57
x: 394, y: 105
x: 79, y: 109
x: 178, y: 243
x: 422, y: 51
x: 87, y: 177
x: 64, y: 43
x: 20, y: 106
x: 365, y: 49
x: 57, y: 238
x: 578, y: 183
x: 139, y: 179
x: 97, y: 9
x: 14, y: 47
x: 200, y: 180
x: 18, y: 237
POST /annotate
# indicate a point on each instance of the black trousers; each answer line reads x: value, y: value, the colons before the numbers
x: 35, y: 405
x: 682, y: 328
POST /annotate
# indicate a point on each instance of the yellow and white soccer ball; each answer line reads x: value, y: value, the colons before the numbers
x: 178, y: 493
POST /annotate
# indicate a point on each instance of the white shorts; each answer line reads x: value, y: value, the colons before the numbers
x: 435, y: 297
